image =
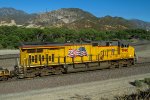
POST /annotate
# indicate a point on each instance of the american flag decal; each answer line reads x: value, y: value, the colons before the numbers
x: 80, y: 52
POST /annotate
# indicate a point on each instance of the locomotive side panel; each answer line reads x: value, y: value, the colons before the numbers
x: 31, y: 57
x: 78, y: 53
x: 41, y: 56
x: 55, y: 55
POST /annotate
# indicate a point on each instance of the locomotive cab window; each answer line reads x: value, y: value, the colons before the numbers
x: 122, y: 45
x: 108, y: 43
x: 125, y: 45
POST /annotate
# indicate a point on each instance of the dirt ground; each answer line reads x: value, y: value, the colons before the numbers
x: 84, y: 91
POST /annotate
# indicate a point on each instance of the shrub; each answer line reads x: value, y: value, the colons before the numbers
x: 137, y: 83
x: 147, y: 81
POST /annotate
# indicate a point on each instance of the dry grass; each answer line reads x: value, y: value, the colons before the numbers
x: 140, y: 95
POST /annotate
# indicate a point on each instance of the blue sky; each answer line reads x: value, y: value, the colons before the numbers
x: 130, y: 9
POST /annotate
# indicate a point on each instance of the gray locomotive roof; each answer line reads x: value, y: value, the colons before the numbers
x: 48, y: 44
x: 114, y: 42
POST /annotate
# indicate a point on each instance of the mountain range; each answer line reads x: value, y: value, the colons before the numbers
x: 73, y: 18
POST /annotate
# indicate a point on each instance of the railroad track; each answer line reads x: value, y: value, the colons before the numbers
x: 79, y: 72
x: 142, y: 63
x: 20, y: 85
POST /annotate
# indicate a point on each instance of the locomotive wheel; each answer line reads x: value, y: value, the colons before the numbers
x: 112, y: 65
x: 20, y: 76
x: 117, y: 66
x: 44, y: 73
x: 120, y: 65
x: 4, y: 78
x: 127, y: 64
x: 58, y: 71
x: 0, y: 78
x: 132, y: 62
x: 30, y: 75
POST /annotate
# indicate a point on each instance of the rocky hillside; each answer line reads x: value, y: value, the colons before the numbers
x: 141, y: 24
x: 61, y: 17
x: 20, y: 17
x: 73, y: 18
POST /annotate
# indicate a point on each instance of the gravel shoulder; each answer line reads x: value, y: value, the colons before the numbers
x: 92, y: 90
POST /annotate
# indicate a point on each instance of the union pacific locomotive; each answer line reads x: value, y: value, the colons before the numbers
x: 40, y: 59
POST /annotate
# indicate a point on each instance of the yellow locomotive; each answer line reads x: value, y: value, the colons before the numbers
x: 53, y: 58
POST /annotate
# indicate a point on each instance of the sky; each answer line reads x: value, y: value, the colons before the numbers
x: 129, y: 9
